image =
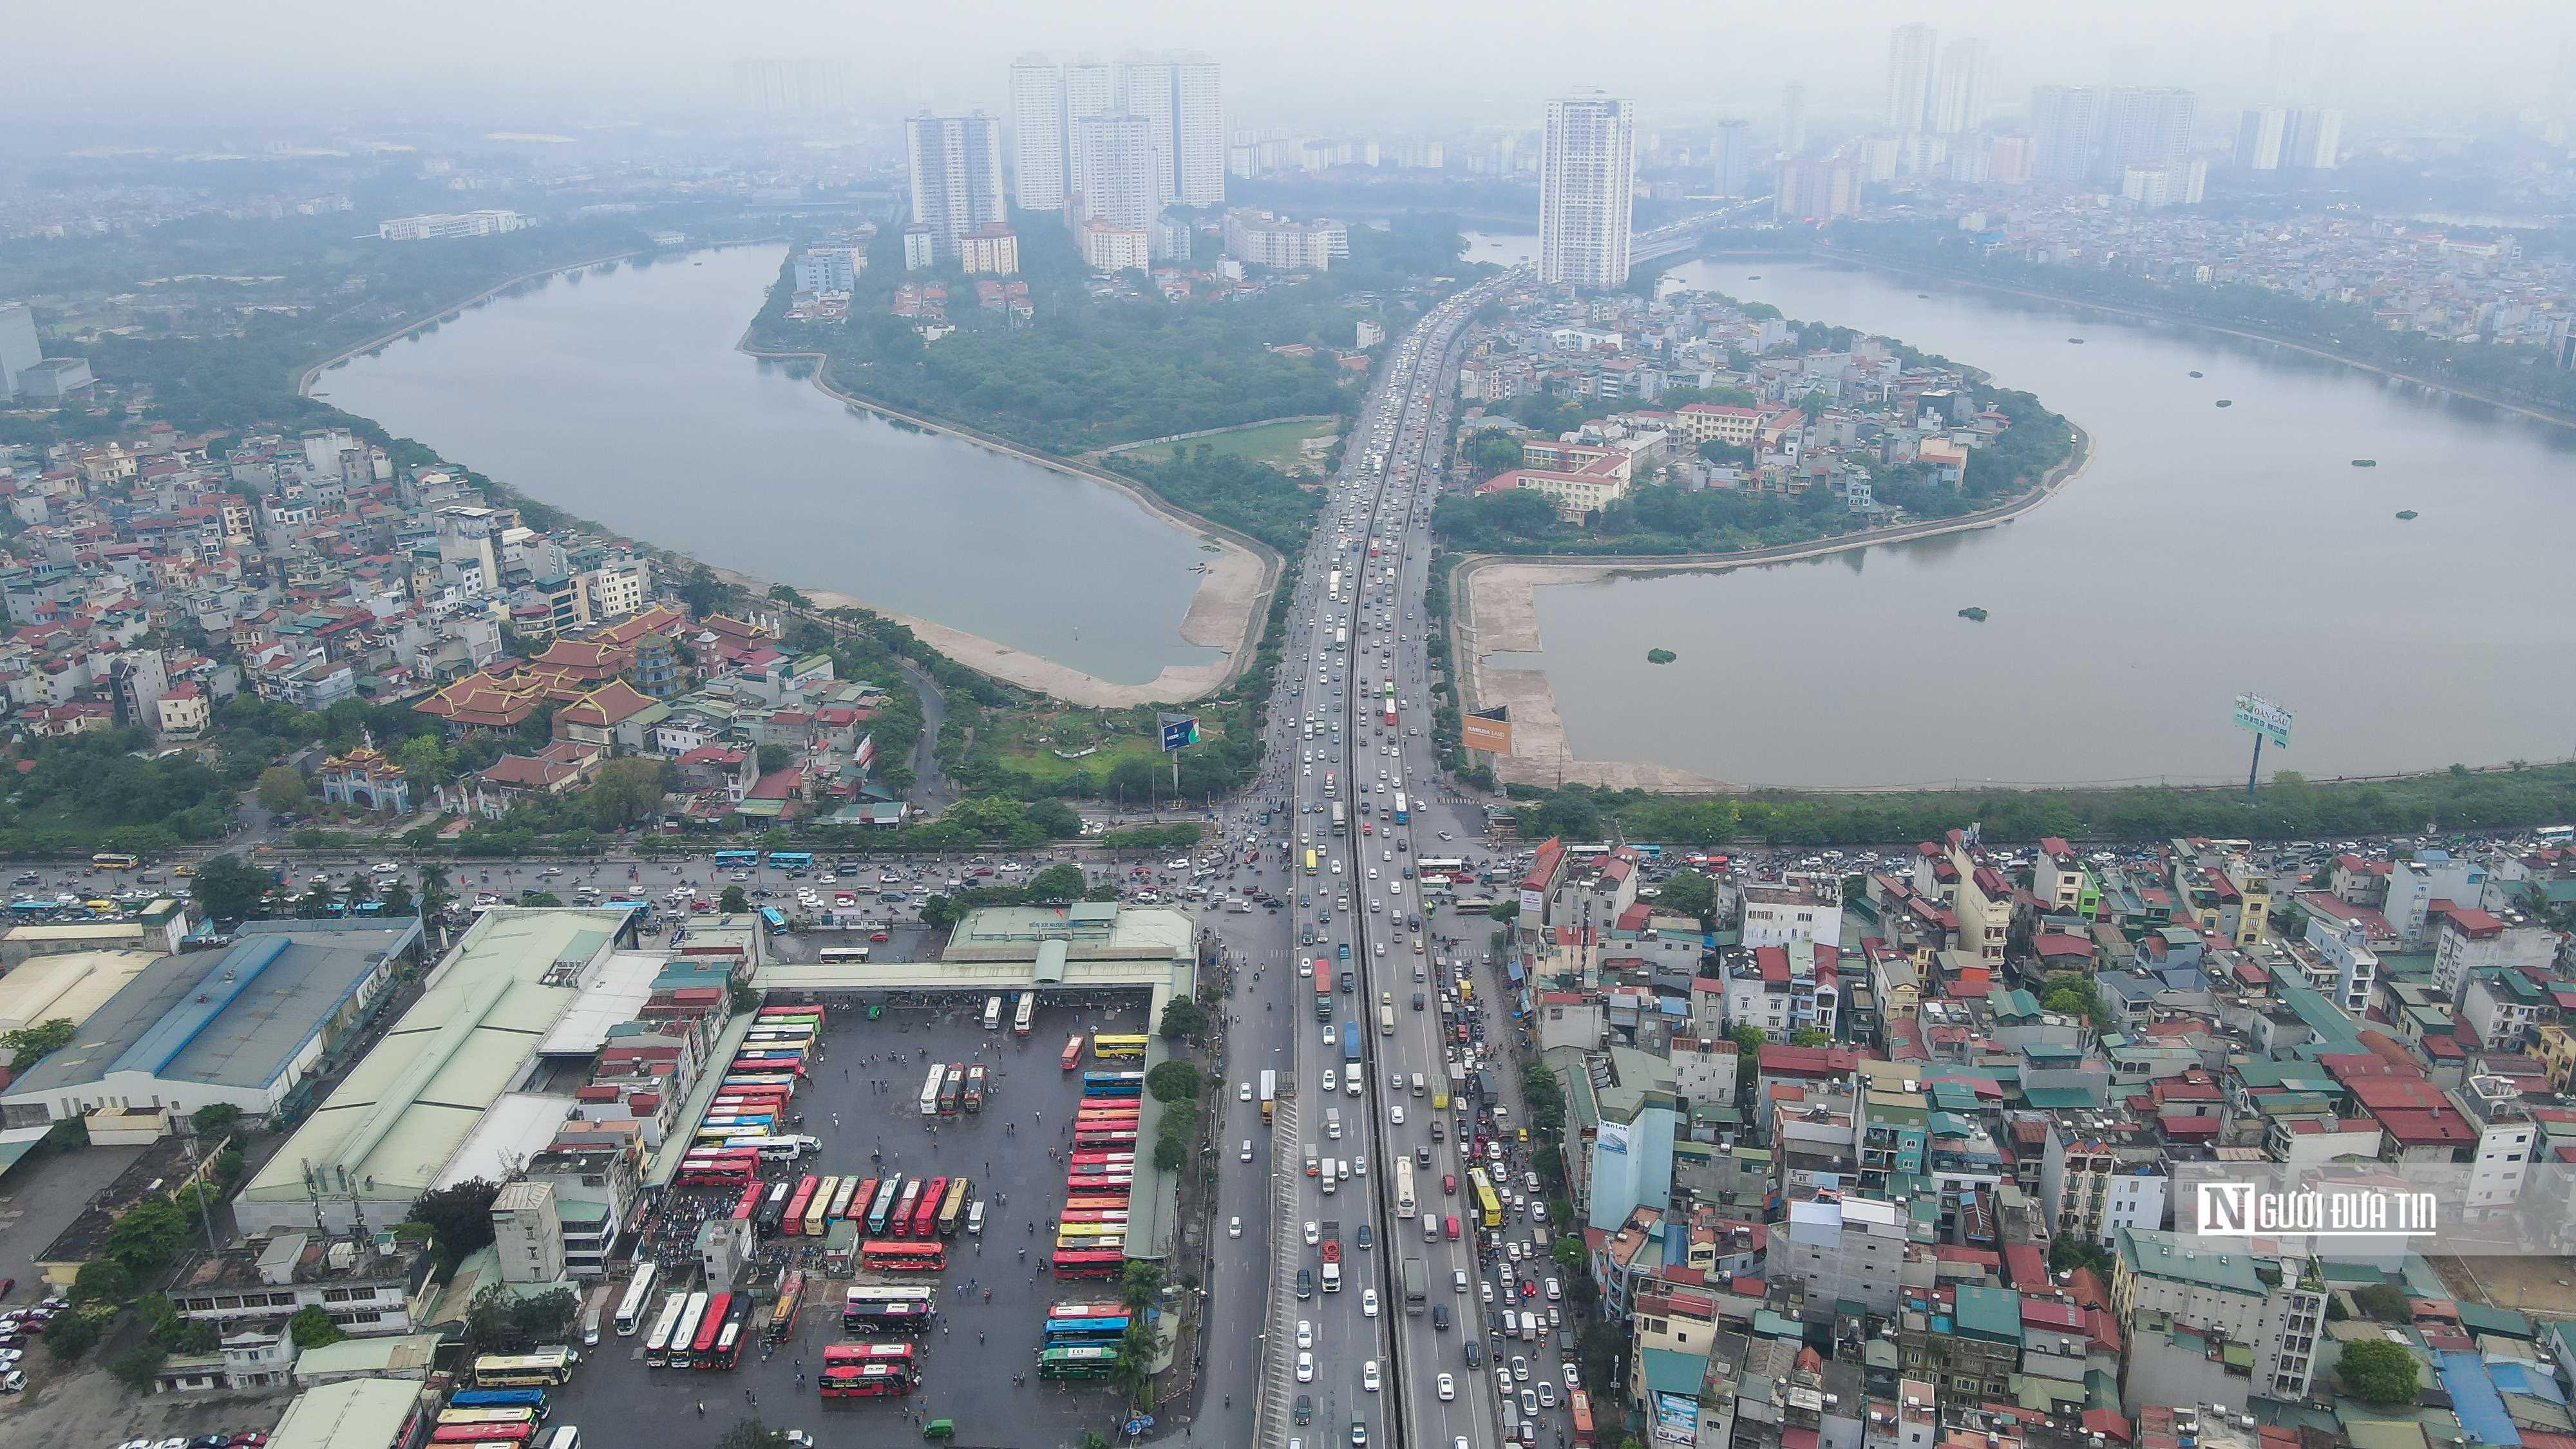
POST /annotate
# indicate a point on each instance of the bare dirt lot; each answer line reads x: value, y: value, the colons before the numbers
x: 2542, y: 1286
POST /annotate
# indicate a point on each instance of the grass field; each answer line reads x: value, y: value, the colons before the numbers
x: 1273, y: 443
x: 1031, y: 741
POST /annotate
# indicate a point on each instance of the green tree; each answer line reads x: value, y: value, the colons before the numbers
x: 362, y: 889
x: 2386, y: 1302
x: 397, y: 897
x: 227, y: 889
x: 1132, y: 1372
x: 215, y: 1119
x: 136, y: 1367
x: 29, y: 1045
x: 1175, y: 1081
x: 147, y: 1236
x: 310, y: 1327
x: 1808, y: 1036
x: 625, y: 791
x: 2380, y: 1373
x: 1062, y: 881
x: 1140, y: 1283
x: 1183, y: 1020
x: 1569, y: 1254
x: 459, y: 1217
x: 70, y: 1336
x: 281, y: 790
x: 427, y: 761
x: 774, y: 758
x: 733, y: 902
x: 102, y: 1280
x: 1687, y: 893
x: 434, y: 889
x: 1748, y: 1057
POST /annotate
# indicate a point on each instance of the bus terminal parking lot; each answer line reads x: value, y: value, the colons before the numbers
x: 856, y: 1105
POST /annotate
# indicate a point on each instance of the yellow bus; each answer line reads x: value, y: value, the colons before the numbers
x: 1113, y: 1048
x: 544, y: 1368
x: 1068, y: 1232
x: 1404, y: 1187
x: 1489, y: 1208
x: 819, y: 1211
x: 516, y: 1414
x: 1311, y: 862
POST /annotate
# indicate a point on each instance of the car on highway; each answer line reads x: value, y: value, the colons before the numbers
x: 1234, y: 1229
x: 1306, y: 1334
x: 1368, y: 1376
x: 1305, y: 1368
x: 1243, y: 1093
x: 1485, y: 1289
x: 1448, y: 1390
x: 1368, y: 1303
x: 1554, y: 1292
x: 1546, y: 1394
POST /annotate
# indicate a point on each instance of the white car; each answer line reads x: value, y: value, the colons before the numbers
x: 1331, y: 1080
x: 1305, y: 1368
x: 1306, y: 1335
x: 1234, y: 1228
x: 1368, y: 1376
x: 1520, y: 1369
x: 1395, y: 1114
x: 1553, y: 1291
x: 386, y: 867
x: 1243, y: 1093
x: 1314, y: 1233
x: 1368, y: 1303
x: 1486, y: 1290
x: 1448, y: 1388
x: 1247, y: 1149
x: 1546, y: 1394
x: 1571, y: 1382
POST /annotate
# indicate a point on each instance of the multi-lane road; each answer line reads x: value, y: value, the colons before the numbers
x: 1367, y: 1362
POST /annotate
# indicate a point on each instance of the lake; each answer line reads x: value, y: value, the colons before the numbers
x: 617, y: 395
x: 2206, y: 551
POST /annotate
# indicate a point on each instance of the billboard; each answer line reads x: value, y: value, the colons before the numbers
x: 1489, y: 730
x: 1676, y: 1419
x: 2263, y: 717
x: 1179, y: 731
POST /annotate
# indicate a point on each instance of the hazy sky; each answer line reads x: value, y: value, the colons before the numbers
x: 1436, y: 63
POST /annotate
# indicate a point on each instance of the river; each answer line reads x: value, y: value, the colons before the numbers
x: 2206, y: 551
x: 618, y: 395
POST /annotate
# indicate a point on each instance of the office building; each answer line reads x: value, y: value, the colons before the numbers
x: 1911, y: 51
x: 2063, y: 123
x: 2143, y: 125
x: 2311, y: 138
x: 1793, y: 119
x: 956, y: 168
x: 1730, y: 152
x: 1587, y: 179
x: 1816, y: 190
x: 792, y: 86
x: 2258, y: 138
x: 1038, y: 134
x: 19, y: 349
x: 1958, y: 105
x: 486, y: 222
x: 1117, y: 169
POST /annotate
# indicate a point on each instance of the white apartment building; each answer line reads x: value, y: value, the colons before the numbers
x: 1117, y: 170
x: 1038, y: 134
x: 487, y: 222
x: 956, y: 170
x: 1911, y: 50
x: 1798, y: 909
x: 1586, y: 190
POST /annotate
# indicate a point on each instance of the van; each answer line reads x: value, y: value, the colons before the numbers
x: 975, y: 1218
x: 1418, y: 1084
x: 1324, y: 1179
x: 1333, y: 1124
x: 1430, y: 1227
x: 590, y: 1329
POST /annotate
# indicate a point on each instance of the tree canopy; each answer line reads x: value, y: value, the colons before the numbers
x: 226, y: 888
x: 459, y: 1218
x: 2380, y: 1373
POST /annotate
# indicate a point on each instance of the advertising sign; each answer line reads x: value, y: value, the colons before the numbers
x: 1676, y: 1419
x: 1179, y: 731
x: 2263, y: 717
x: 1489, y: 730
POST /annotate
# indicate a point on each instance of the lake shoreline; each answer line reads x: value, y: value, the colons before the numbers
x: 1495, y: 599
x: 1226, y: 611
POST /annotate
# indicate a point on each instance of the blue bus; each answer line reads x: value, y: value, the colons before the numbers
x: 1113, y: 1084
x: 499, y: 1399
x: 1067, y: 1332
x: 1401, y: 813
x: 740, y: 858
x: 774, y: 919
x: 790, y: 859
x: 1350, y: 1041
x: 641, y: 910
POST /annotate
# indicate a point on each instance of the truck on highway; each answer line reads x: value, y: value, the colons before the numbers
x: 1350, y: 1041
x: 1332, y: 1251
x: 1414, y: 1282
x: 1269, y: 1094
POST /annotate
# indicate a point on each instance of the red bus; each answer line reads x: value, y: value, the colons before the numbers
x: 748, y: 1204
x: 730, y: 1170
x: 1102, y: 1158
x: 798, y: 1203
x: 899, y: 1222
x: 1390, y: 714
x: 483, y: 1434
x: 925, y: 1218
x: 860, y: 1199
x: 1126, y: 1110
x: 1073, y: 1051
x: 1579, y: 1405
x: 866, y: 1381
x: 702, y: 1350
x: 885, y: 1256
x: 1105, y: 1136
x: 814, y: 1013
x: 737, y: 1326
x: 1097, y: 1202
x: 1087, y: 1310
x: 1121, y: 1181
x: 1088, y: 1263
x: 838, y: 1354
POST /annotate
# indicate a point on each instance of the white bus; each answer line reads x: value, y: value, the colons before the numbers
x: 993, y: 1013
x: 1027, y: 1015
x: 657, y: 1345
x: 930, y: 1090
x: 1404, y: 1206
x: 630, y: 1309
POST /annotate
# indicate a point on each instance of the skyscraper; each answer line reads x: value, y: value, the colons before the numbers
x: 956, y: 165
x: 2142, y: 125
x: 1198, y: 131
x: 1145, y: 88
x: 2258, y: 139
x: 1910, y: 52
x: 794, y: 86
x: 1037, y: 134
x: 1959, y: 105
x: 1730, y: 153
x: 1117, y: 154
x: 2312, y: 138
x: 1090, y: 88
x: 1586, y: 183
x: 2064, y: 121
x: 1793, y: 119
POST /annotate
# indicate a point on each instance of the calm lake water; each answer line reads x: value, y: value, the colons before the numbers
x: 2205, y: 552
x: 619, y: 396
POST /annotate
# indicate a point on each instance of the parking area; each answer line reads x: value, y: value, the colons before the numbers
x: 860, y: 1099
